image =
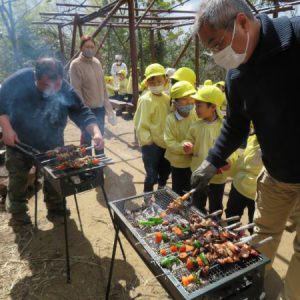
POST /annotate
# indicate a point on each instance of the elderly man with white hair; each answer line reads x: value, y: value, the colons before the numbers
x: 260, y: 55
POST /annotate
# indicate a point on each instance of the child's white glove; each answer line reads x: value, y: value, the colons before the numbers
x: 112, y: 118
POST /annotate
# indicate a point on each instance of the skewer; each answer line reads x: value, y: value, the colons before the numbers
x: 214, y: 214
x: 262, y: 242
x: 247, y: 239
x: 230, y: 219
x: 233, y: 225
x: 251, y: 225
x: 55, y: 158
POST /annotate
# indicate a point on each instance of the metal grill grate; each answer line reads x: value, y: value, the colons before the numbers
x: 129, y: 210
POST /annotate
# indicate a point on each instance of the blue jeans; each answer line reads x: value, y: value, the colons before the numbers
x: 156, y: 166
x: 86, y: 139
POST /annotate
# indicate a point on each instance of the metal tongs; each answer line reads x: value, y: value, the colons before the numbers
x: 27, y: 149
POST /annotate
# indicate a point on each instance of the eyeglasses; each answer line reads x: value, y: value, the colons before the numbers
x: 218, y: 47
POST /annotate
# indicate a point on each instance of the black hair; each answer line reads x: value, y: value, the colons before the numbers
x: 49, y: 66
x: 173, y: 81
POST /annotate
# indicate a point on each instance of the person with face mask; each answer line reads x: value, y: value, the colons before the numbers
x: 87, y: 78
x: 177, y: 126
x: 260, y: 55
x: 117, y: 66
x: 35, y: 105
x: 149, y: 120
x: 200, y: 137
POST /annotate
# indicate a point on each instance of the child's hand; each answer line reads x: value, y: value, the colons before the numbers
x: 188, y: 148
x: 226, y: 167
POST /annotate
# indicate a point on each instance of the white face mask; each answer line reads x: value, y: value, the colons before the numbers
x: 228, y: 58
x: 156, y: 89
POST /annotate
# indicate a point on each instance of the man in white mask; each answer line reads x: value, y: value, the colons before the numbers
x: 117, y: 66
x: 260, y: 54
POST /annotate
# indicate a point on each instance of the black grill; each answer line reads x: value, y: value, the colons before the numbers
x: 241, y: 280
x: 69, y: 182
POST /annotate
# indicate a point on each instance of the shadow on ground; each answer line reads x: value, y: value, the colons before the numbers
x: 44, y: 252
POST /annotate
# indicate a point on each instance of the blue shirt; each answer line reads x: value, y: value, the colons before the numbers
x: 38, y: 120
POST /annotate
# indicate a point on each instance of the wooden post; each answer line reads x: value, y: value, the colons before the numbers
x: 182, y: 52
x: 73, y: 45
x: 197, y: 56
x: 61, y: 43
x: 133, y: 52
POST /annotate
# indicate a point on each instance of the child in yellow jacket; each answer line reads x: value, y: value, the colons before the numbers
x: 243, y: 188
x: 177, y: 126
x: 201, y: 137
x: 149, y: 120
x: 122, y: 85
x: 109, y: 83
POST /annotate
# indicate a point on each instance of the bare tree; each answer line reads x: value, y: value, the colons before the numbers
x: 7, y: 16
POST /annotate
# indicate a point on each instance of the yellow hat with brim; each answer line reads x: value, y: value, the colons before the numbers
x: 210, y: 94
x: 154, y: 70
x: 122, y: 72
x: 222, y: 83
x: 185, y: 74
x: 182, y: 89
x: 208, y: 82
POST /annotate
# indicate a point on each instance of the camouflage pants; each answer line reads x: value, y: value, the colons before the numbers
x: 18, y: 166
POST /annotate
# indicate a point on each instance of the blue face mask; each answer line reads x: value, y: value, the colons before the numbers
x: 185, y: 109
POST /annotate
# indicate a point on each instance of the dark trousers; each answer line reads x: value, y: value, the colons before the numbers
x: 86, y: 138
x: 237, y: 203
x: 181, y: 180
x: 18, y: 166
x: 156, y: 166
x: 215, y: 196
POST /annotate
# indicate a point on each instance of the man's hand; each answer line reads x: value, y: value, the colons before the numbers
x: 98, y: 141
x: 94, y: 131
x: 202, y: 176
x: 10, y: 137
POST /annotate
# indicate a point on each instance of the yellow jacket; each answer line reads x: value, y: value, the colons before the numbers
x: 110, y: 89
x: 129, y: 86
x: 174, y: 136
x: 122, y: 86
x: 203, y: 136
x: 247, y: 168
x: 150, y: 119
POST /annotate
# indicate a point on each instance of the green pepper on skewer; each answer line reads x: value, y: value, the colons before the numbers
x: 151, y: 221
x: 204, y: 259
x: 168, y: 261
x: 196, y: 244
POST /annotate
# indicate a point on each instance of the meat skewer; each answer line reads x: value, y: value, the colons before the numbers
x: 248, y: 226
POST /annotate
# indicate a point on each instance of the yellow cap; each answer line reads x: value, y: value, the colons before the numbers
x: 182, y: 89
x: 154, y: 70
x: 122, y: 72
x: 222, y: 83
x: 185, y: 74
x: 210, y: 94
x: 108, y: 78
x: 208, y: 82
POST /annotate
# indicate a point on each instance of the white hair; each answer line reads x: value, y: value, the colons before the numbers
x: 220, y: 14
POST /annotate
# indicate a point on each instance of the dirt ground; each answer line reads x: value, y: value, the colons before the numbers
x: 32, y: 264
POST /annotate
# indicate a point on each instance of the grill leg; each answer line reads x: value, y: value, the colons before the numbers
x: 66, y: 241
x: 112, y: 263
x: 112, y: 220
x: 35, y: 197
x: 78, y: 213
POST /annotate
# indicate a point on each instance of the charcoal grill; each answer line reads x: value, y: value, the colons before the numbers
x: 237, y: 281
x: 69, y: 182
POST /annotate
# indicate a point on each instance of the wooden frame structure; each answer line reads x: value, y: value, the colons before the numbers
x: 124, y: 14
